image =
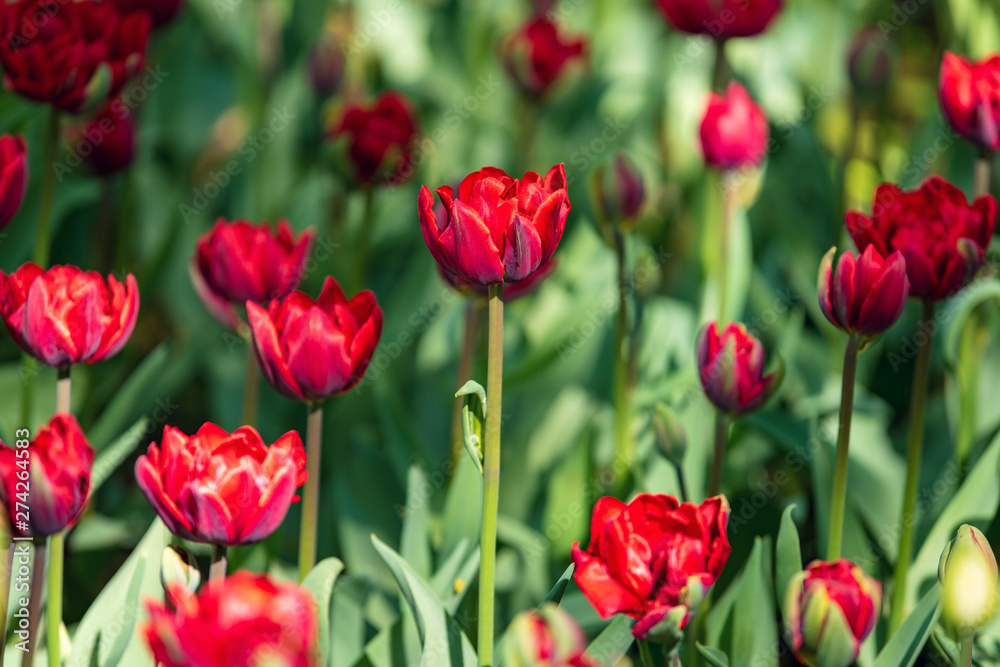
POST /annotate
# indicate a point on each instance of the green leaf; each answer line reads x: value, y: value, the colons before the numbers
x: 555, y: 595
x: 754, y: 631
x: 613, y: 642
x: 789, y: 554
x: 112, y: 456
x: 120, y: 640
x: 444, y: 644
x: 904, y: 647
x: 114, y: 416
x: 320, y: 582
x: 715, y: 657
x: 958, y: 310
x: 473, y: 417
x: 413, y: 544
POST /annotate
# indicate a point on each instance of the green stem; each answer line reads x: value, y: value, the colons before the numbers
x: 728, y: 201
x: 363, y: 245
x: 42, y: 232
x: 55, y: 595
x: 719, y: 457
x: 35, y: 600
x: 7, y: 565
x: 966, y: 658
x: 843, y: 447
x: 681, y: 483
x: 491, y: 475
x: 251, y: 387
x: 983, y: 173
x: 720, y: 67
x: 63, y: 391
x: 310, y: 496
x: 645, y: 654
x: 624, y: 450
x: 914, y: 453
x: 217, y: 571
x: 465, y: 362
x: 970, y: 349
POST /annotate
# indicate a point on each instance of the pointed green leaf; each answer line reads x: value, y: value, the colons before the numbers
x: 320, y: 582
x: 904, y: 647
x: 789, y: 554
x: 121, y: 639
x: 555, y: 595
x: 754, y: 631
x: 473, y: 417
x: 715, y: 657
x: 113, y: 455
x: 613, y: 642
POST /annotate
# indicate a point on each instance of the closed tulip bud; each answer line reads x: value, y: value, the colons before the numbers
x: 970, y: 98
x: 968, y: 574
x: 537, y: 55
x: 178, y: 572
x: 869, y: 62
x: 670, y: 434
x: 618, y: 195
x: 830, y: 609
x: 107, y: 143
x: 734, y: 130
x: 865, y: 295
x: 325, y: 67
x: 13, y: 176
x: 731, y: 368
x: 547, y: 637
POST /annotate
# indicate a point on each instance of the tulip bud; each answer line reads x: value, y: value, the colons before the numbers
x: 107, y: 143
x: 178, y: 572
x: 731, y: 368
x: 968, y: 573
x: 869, y: 61
x: 547, y: 637
x: 830, y: 609
x: 670, y: 434
x: 734, y: 130
x: 326, y: 68
x: 618, y: 195
x: 865, y: 295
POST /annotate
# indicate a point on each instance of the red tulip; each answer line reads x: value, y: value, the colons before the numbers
x: 866, y: 295
x: 326, y: 66
x: 546, y: 637
x: 653, y: 559
x: 536, y: 55
x: 248, y: 620
x: 512, y: 292
x: 734, y: 131
x: 721, y: 19
x: 238, y: 261
x: 107, y: 142
x: 970, y: 98
x: 830, y: 609
x: 222, y: 488
x: 45, y: 485
x: 498, y: 229
x: 13, y: 176
x: 161, y: 12
x: 731, y: 367
x: 869, y: 62
x: 67, y: 316
x: 72, y: 55
x: 310, y: 350
x: 940, y: 234
x: 380, y: 137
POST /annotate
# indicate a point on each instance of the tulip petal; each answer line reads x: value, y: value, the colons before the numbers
x: 469, y: 248
x: 885, y: 298
x: 604, y: 592
x: 523, y: 250
x: 269, y: 353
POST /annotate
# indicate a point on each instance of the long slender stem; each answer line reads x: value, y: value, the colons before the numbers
x: 217, y: 571
x: 491, y: 475
x: 8, y: 565
x: 310, y: 497
x: 728, y: 202
x: 843, y: 447
x: 681, y: 483
x: 720, y: 67
x: 251, y: 388
x: 63, y: 391
x: 624, y: 454
x: 966, y: 658
x: 363, y: 245
x: 719, y: 457
x: 983, y: 174
x: 42, y: 232
x: 914, y: 453
x: 466, y: 360
x: 55, y: 595
x: 35, y: 600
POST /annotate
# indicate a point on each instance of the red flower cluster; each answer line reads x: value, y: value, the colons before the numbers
x: 222, y: 488
x: 380, y: 137
x: 72, y: 55
x: 13, y: 176
x: 731, y: 368
x: 721, y: 19
x: 866, y: 295
x: 497, y: 229
x: 941, y: 236
x: 970, y: 98
x: 45, y: 486
x: 653, y: 559
x: 537, y: 55
x: 734, y: 131
x: 66, y: 316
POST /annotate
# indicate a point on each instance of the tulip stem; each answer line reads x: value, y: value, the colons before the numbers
x: 363, y: 245
x: 718, y: 459
x: 624, y: 450
x: 310, y: 496
x: 983, y: 174
x: 35, y: 600
x: 491, y: 475
x: 55, y: 579
x: 8, y: 566
x: 63, y: 391
x: 251, y: 387
x: 914, y: 453
x: 42, y: 233
x: 728, y: 202
x: 966, y: 658
x: 843, y: 447
x: 681, y: 483
x: 645, y: 654
x: 720, y: 67
x: 465, y: 361
x: 217, y: 571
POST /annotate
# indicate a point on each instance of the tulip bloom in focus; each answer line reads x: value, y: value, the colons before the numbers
x: 67, y: 316
x: 731, y: 368
x: 830, y: 610
x: 720, y: 19
x: 238, y: 261
x: 222, y: 488
x: 547, y: 637
x: 51, y: 478
x: 866, y: 294
x: 497, y: 229
x: 13, y: 176
x: 941, y: 236
x: 537, y: 55
x: 734, y: 131
x: 248, y: 620
x: 970, y: 98
x: 83, y: 55
x: 310, y: 350
x: 653, y: 559
x: 380, y: 138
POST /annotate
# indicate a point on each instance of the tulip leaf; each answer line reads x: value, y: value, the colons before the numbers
x: 754, y: 631
x: 320, y: 582
x: 904, y: 647
x: 473, y: 417
x: 714, y: 656
x: 115, y: 415
x: 114, y: 454
x: 555, y: 595
x: 960, y: 308
x: 788, y: 555
x: 120, y: 641
x: 443, y: 643
x: 613, y: 642
x: 413, y: 543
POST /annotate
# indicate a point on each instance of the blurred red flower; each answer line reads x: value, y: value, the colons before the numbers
x: 161, y: 12
x: 380, y: 138
x: 13, y: 176
x: 536, y: 55
x: 106, y: 142
x: 970, y: 98
x: 731, y: 368
x: 734, y: 131
x: 721, y: 19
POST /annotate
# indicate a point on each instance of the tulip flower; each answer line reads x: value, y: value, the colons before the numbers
x: 161, y: 12
x: 51, y: 478
x: 654, y: 559
x: 968, y: 574
x: 830, y: 609
x: 618, y: 196
x: 720, y: 19
x: 536, y: 55
x: 67, y: 316
x: 247, y: 619
x: 380, y: 138
x: 70, y: 64
x: 239, y: 261
x: 734, y: 131
x: 869, y: 62
x: 107, y: 143
x: 546, y: 637
x: 179, y: 574
x: 497, y: 229
x: 970, y: 98
x: 731, y: 368
x: 866, y: 294
x: 221, y: 488
x: 325, y: 67
x: 513, y: 292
